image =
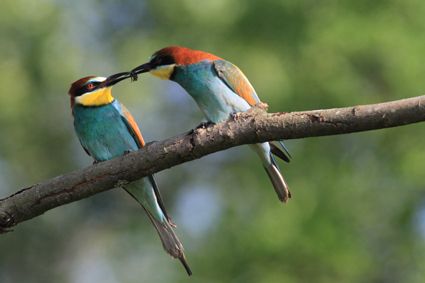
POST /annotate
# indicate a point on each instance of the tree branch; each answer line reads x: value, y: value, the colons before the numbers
x: 250, y: 127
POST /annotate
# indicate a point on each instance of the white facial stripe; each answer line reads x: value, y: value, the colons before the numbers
x: 94, y: 80
x: 97, y: 80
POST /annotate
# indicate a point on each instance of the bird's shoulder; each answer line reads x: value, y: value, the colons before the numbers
x: 130, y: 122
x: 236, y: 80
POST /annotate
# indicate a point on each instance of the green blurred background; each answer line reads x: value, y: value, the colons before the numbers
x: 358, y: 207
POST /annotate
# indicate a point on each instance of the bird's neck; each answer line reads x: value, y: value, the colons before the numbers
x: 194, y: 78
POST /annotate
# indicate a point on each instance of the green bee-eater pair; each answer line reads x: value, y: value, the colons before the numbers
x: 106, y: 128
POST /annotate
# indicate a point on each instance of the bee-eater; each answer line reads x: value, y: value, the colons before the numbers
x: 220, y: 89
x: 107, y: 130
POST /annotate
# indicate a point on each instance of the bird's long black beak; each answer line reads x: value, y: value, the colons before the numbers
x: 140, y: 69
x: 113, y: 79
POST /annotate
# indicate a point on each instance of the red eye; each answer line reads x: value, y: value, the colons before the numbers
x: 90, y: 86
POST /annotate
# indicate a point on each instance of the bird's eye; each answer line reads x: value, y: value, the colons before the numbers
x: 90, y: 86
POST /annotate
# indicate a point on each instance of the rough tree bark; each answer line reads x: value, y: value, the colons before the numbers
x: 245, y: 128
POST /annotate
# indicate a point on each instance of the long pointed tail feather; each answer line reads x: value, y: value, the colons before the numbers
x: 278, y: 181
x: 160, y: 201
x: 164, y: 227
x: 170, y: 241
x: 265, y: 151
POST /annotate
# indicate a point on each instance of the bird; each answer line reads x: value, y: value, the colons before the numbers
x: 220, y: 90
x: 106, y: 129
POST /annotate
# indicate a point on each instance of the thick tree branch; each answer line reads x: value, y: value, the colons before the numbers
x: 250, y: 127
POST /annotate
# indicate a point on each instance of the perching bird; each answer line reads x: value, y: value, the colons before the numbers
x: 220, y: 89
x: 106, y: 130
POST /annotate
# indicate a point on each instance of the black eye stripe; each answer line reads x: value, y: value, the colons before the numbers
x: 84, y: 89
x: 162, y: 60
x: 166, y: 60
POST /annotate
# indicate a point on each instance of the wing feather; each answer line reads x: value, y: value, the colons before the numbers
x: 132, y: 126
x: 233, y: 77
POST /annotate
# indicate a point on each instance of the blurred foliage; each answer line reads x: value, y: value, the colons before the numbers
x: 358, y: 207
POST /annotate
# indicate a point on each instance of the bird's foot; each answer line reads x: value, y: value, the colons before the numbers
x: 235, y: 116
x: 126, y: 152
x: 204, y: 125
x: 96, y: 162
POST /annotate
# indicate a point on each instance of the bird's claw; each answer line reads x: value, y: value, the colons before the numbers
x: 204, y: 125
x: 96, y: 162
x: 235, y: 116
x: 126, y: 152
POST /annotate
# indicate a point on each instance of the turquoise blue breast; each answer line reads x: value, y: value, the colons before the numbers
x: 102, y: 131
x: 216, y: 100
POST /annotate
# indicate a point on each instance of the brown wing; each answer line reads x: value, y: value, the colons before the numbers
x: 233, y: 77
x: 132, y: 126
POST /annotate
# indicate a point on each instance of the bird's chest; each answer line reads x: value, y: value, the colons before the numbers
x: 102, y: 132
x: 216, y: 100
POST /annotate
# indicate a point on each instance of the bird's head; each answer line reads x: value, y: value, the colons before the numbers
x: 94, y: 91
x: 163, y: 63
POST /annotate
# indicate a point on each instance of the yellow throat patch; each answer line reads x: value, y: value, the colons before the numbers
x: 99, y: 97
x: 163, y: 72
